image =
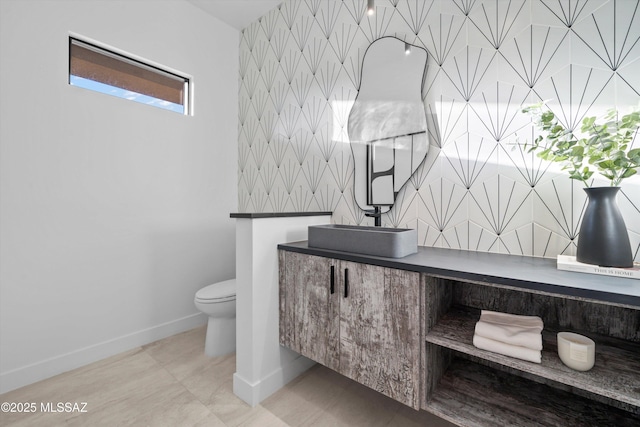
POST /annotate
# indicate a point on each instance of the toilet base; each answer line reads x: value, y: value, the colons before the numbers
x: 221, y: 336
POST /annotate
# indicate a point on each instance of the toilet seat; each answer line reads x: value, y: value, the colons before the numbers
x: 217, y: 292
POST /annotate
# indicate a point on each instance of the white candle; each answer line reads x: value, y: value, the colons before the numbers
x: 576, y: 351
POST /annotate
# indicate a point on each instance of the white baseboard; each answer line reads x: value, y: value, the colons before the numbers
x: 47, y: 368
x: 254, y: 393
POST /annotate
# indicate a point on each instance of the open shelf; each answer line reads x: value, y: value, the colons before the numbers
x: 470, y: 394
x: 616, y: 374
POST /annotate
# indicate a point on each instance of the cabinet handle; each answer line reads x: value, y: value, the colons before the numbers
x: 346, y: 282
x: 333, y: 279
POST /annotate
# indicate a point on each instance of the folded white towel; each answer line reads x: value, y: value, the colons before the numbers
x: 511, y: 319
x: 513, y: 335
x: 523, y: 331
x: 507, y: 349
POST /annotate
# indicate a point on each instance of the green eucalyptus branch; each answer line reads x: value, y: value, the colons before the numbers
x: 602, y: 147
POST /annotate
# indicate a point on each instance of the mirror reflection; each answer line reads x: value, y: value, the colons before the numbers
x: 387, y: 125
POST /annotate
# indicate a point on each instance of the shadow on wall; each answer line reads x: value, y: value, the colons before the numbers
x: 181, y: 261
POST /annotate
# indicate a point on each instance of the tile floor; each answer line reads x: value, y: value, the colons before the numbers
x: 172, y: 383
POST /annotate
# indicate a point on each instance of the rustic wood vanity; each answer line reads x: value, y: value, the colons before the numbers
x: 404, y: 328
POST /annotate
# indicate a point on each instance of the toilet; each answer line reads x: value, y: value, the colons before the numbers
x: 218, y: 301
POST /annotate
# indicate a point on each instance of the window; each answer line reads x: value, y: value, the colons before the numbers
x: 101, y: 70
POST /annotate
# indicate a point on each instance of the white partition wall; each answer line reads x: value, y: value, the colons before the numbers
x: 262, y: 365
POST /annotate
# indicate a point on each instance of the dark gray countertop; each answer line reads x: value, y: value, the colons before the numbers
x: 277, y: 214
x: 538, y: 274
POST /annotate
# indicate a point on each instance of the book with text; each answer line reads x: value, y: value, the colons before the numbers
x: 569, y: 263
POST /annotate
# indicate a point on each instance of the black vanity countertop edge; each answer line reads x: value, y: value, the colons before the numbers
x: 277, y: 214
x: 536, y: 274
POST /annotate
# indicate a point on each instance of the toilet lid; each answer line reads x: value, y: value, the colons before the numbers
x: 221, y: 290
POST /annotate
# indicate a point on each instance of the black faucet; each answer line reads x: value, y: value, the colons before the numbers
x: 376, y: 214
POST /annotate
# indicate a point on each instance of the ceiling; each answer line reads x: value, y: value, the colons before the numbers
x: 237, y: 13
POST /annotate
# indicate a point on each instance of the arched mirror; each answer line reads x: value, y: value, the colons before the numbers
x: 388, y: 124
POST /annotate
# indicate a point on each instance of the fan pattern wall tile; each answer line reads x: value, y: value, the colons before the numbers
x: 479, y: 189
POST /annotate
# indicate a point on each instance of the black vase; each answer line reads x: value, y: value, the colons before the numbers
x: 603, y: 238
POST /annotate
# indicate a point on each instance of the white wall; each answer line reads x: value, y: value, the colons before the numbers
x: 113, y: 213
x: 478, y: 189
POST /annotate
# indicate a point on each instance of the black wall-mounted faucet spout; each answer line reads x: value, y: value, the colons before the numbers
x: 376, y: 214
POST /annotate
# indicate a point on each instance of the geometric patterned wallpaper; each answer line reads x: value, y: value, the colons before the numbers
x: 478, y: 189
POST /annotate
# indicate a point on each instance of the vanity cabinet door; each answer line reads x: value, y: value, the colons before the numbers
x: 380, y: 329
x: 309, y: 311
x: 359, y: 320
